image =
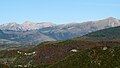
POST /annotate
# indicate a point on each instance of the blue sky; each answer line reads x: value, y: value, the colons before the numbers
x: 57, y: 11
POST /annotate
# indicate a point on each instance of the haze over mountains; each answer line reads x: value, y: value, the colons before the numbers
x: 31, y: 33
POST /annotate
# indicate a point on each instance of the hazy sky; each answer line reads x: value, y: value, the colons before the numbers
x: 57, y: 11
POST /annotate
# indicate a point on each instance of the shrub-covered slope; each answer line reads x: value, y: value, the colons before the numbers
x: 99, y: 57
x: 105, y: 34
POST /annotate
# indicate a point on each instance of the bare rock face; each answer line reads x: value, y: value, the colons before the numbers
x: 113, y: 22
x: 28, y: 25
x: 32, y: 26
x: 10, y: 26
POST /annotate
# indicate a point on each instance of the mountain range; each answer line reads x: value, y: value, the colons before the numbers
x: 86, y: 51
x: 30, y: 33
x: 72, y: 30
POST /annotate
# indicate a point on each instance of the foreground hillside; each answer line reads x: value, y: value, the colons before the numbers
x: 99, y: 57
x: 44, y: 54
x: 84, y: 54
x: 49, y: 53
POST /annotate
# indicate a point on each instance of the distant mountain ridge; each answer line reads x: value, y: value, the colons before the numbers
x: 73, y: 30
x: 35, y: 33
x: 27, y: 25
